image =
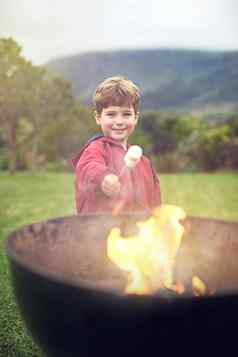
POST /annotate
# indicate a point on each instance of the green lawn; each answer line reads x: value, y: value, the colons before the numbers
x: 27, y: 198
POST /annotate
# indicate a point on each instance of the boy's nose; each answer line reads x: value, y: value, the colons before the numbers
x: 119, y: 120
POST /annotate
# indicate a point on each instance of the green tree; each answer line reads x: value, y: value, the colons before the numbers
x: 209, y: 150
x: 50, y: 103
x: 31, y: 101
x: 161, y: 128
x: 13, y: 72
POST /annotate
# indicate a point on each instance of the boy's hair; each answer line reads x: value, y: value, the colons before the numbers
x: 116, y: 91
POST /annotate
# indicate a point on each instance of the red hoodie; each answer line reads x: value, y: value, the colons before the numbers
x: 102, y: 155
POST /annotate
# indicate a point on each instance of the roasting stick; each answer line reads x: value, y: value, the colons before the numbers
x: 131, y: 159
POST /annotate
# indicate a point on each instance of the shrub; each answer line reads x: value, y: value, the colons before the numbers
x: 57, y: 166
x: 171, y: 162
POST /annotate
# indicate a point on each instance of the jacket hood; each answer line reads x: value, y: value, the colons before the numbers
x: 102, y: 138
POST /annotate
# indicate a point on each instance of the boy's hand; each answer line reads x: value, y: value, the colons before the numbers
x: 111, y: 185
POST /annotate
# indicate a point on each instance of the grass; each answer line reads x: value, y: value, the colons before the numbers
x: 203, y: 195
x: 26, y: 198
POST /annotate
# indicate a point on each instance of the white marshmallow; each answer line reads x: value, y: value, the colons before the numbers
x: 133, y: 156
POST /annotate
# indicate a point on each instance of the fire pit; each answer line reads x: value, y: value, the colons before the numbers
x: 72, y: 296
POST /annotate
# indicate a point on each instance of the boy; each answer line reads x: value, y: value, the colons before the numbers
x: 102, y: 183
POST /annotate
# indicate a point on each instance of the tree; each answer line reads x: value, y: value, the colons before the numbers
x: 161, y: 128
x: 209, y: 150
x: 31, y: 100
x: 50, y: 105
x: 13, y: 70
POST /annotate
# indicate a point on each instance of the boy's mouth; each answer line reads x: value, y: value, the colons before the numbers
x: 119, y: 130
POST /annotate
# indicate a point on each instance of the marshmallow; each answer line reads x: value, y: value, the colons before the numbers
x: 133, y: 156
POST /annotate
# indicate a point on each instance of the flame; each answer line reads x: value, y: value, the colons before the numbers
x: 199, y: 288
x: 149, y: 256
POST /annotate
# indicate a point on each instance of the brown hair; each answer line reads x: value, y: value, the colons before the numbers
x: 118, y: 91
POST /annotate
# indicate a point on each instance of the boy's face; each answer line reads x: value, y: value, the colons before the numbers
x: 118, y: 122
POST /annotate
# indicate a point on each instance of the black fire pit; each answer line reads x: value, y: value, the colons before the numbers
x: 72, y: 296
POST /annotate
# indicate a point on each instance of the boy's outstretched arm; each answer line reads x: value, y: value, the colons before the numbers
x: 93, y: 174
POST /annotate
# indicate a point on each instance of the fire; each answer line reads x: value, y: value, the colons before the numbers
x: 199, y: 288
x: 150, y: 255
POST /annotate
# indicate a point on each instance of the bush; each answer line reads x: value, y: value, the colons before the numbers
x: 209, y: 150
x: 57, y: 166
x: 171, y: 162
x: 4, y: 160
x: 230, y: 154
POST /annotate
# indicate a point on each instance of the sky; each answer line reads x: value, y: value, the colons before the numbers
x: 49, y: 29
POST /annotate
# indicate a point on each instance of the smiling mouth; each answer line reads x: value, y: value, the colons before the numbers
x: 119, y: 130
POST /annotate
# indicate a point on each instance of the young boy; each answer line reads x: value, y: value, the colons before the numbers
x: 103, y: 184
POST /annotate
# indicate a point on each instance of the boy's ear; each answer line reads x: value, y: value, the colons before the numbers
x: 97, y: 117
x: 137, y: 116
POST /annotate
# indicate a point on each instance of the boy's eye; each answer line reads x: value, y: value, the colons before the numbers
x: 127, y: 114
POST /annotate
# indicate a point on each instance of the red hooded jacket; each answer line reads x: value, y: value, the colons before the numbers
x: 102, y: 155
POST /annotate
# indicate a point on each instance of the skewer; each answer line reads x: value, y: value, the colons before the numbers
x: 131, y: 159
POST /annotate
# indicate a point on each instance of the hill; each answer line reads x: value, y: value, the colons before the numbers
x: 168, y: 78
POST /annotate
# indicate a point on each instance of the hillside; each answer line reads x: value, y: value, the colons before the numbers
x: 168, y: 78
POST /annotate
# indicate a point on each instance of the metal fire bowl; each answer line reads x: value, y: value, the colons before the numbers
x: 71, y: 295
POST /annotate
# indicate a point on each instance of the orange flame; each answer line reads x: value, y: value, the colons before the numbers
x: 199, y: 288
x: 149, y: 256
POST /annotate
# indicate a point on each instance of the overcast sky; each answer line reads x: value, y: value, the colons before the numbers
x: 50, y: 28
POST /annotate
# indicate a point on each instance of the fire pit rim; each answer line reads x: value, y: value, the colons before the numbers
x: 60, y: 279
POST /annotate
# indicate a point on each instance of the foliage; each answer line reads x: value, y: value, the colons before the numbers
x: 187, y: 142
x: 30, y: 99
x: 14, y: 70
x: 171, y: 162
x: 160, y: 127
x: 65, y: 137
